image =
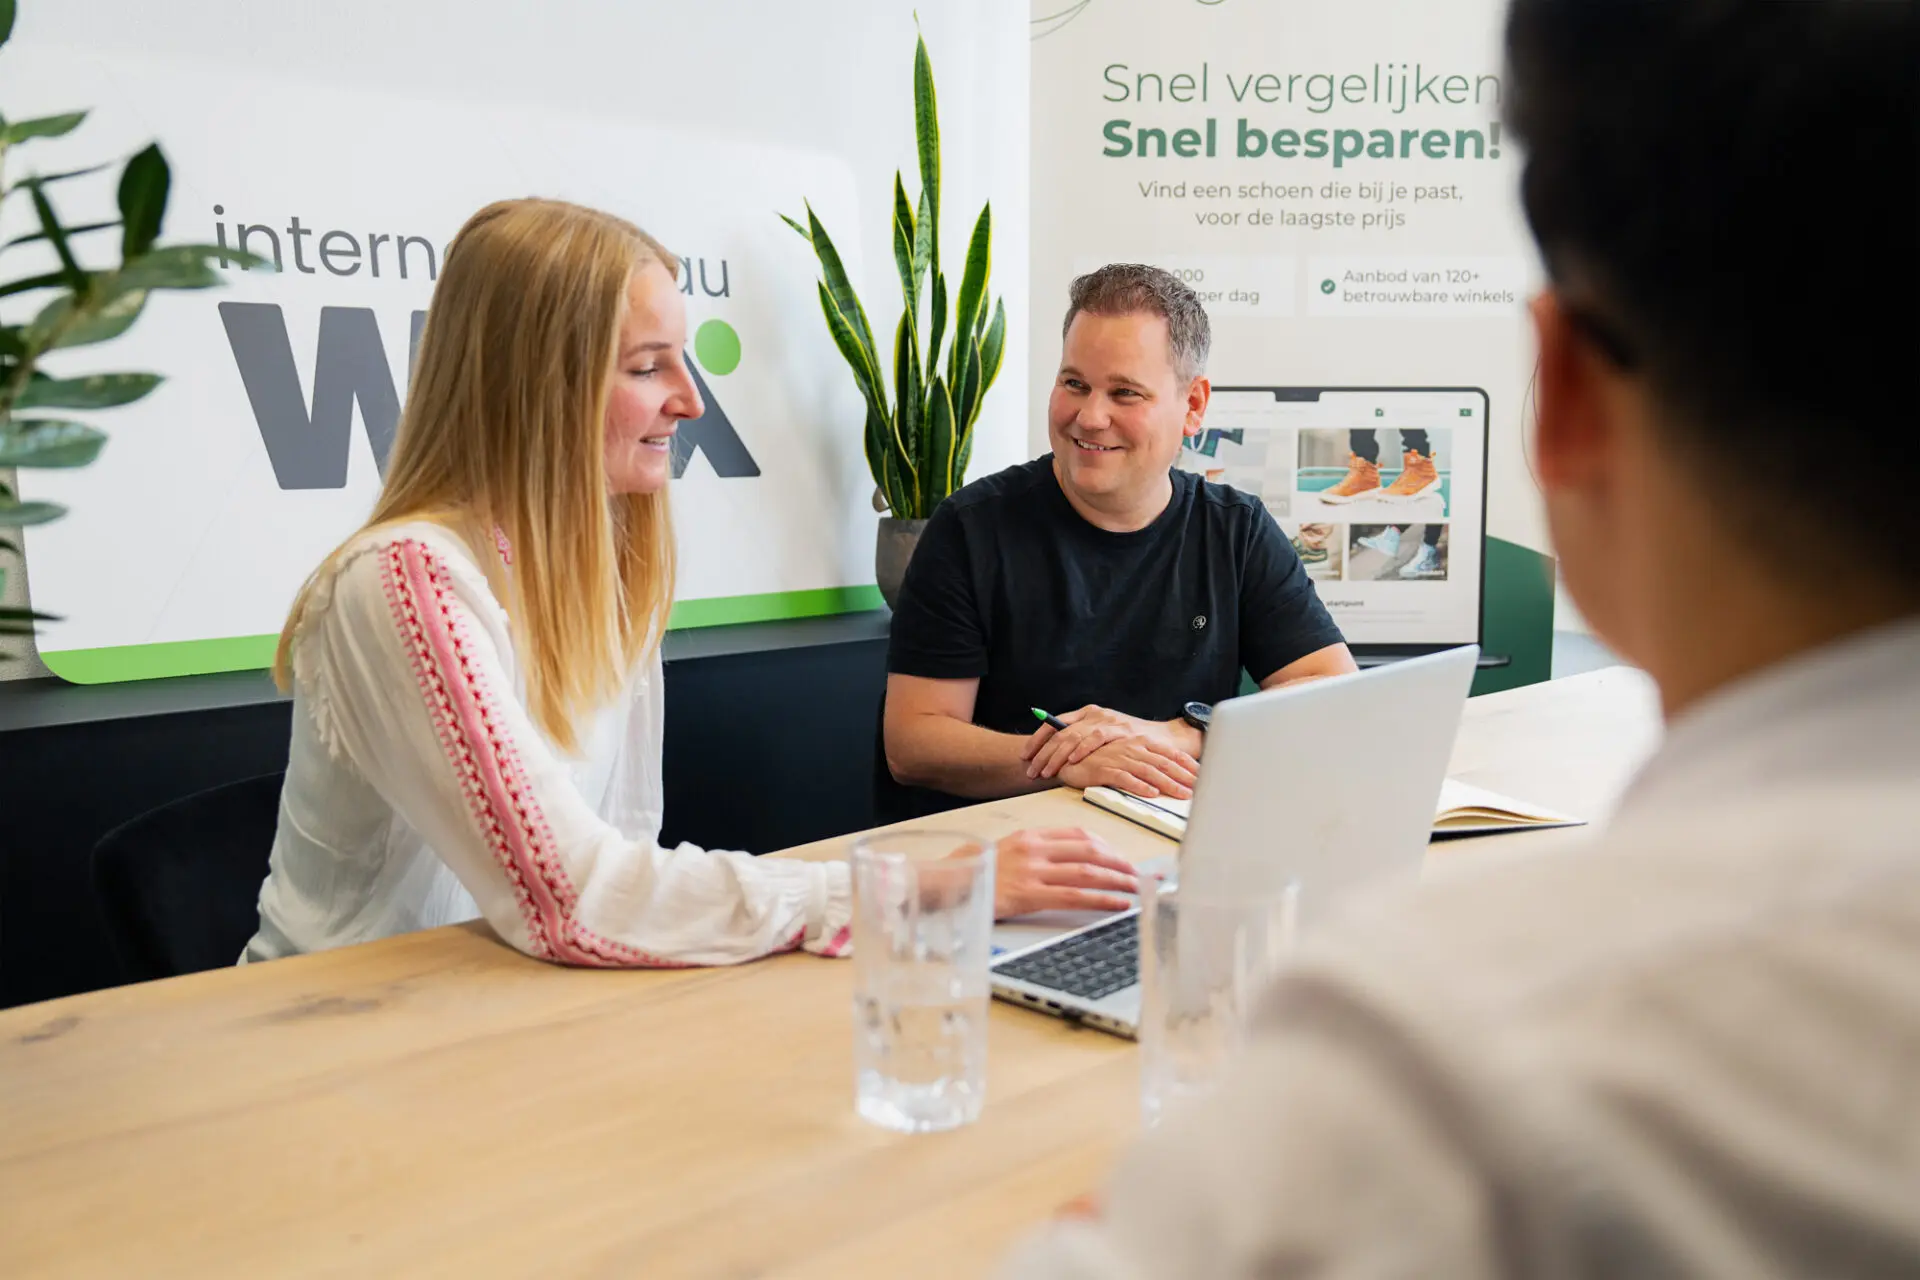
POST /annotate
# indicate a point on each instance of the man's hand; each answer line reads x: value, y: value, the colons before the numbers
x: 1059, y: 870
x: 1137, y: 766
x: 1089, y: 729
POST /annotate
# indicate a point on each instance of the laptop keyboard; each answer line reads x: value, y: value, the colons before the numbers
x: 1089, y: 965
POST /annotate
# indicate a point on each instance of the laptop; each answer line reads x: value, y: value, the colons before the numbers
x: 1331, y: 784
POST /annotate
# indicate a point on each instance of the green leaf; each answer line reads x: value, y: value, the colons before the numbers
x: 992, y: 347
x: 9, y: 545
x: 49, y: 442
x: 926, y: 132
x: 936, y: 320
x: 973, y: 288
x: 966, y: 412
x: 903, y: 247
x: 923, y: 248
x: 95, y: 391
x: 25, y: 513
x: 804, y: 233
x: 896, y: 479
x: 906, y: 387
x: 876, y: 437
x: 97, y: 322
x: 880, y: 460
x: 7, y: 12
x: 34, y: 236
x: 961, y: 457
x: 966, y: 407
x: 182, y: 266
x: 13, y: 342
x: 70, y: 270
x: 143, y: 200
x: 15, y: 621
x: 840, y: 288
x: 27, y: 284
x: 936, y: 475
x: 42, y: 127
x: 851, y: 351
x: 902, y: 495
x: 48, y: 179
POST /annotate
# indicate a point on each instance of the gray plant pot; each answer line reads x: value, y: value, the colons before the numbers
x: 892, y: 549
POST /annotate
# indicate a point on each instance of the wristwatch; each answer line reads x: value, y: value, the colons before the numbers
x: 1197, y: 714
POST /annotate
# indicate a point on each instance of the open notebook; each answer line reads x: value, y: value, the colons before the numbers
x: 1464, y: 810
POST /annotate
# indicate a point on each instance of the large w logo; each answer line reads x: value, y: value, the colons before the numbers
x: 308, y: 448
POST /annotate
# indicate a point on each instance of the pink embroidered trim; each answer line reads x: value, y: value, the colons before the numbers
x: 492, y: 778
x: 405, y: 606
x: 837, y: 945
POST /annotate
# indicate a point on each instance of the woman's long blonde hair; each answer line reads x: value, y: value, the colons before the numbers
x: 504, y: 429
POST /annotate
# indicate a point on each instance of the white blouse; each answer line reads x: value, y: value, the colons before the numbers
x: 420, y: 792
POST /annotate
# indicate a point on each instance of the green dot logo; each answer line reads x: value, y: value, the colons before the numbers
x: 1327, y: 286
x: 717, y: 347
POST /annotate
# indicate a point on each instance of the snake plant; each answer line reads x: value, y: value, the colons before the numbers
x: 919, y: 430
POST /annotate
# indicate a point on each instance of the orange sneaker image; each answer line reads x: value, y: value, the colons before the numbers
x: 1361, y: 481
x: 1417, y: 478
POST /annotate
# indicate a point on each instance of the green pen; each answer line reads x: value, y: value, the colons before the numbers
x: 1051, y: 721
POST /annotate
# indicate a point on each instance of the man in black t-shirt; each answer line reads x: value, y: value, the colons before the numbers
x: 1097, y: 583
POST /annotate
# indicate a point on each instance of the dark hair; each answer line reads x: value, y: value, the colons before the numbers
x: 1724, y: 193
x: 1130, y: 288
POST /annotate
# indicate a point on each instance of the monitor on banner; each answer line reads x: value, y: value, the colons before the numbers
x: 1381, y: 490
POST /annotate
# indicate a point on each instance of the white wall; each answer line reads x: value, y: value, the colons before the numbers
x: 826, y: 75
x: 833, y: 77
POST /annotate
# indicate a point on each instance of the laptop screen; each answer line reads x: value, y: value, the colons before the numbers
x: 1382, y: 492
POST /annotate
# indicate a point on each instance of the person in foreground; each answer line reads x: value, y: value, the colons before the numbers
x: 1689, y: 1049
x: 1098, y: 583
x: 476, y: 673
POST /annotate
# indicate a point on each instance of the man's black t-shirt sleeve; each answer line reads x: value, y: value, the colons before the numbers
x: 938, y: 629
x: 1281, y: 617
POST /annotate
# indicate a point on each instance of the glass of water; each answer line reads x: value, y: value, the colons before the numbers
x: 922, y: 939
x: 1203, y: 959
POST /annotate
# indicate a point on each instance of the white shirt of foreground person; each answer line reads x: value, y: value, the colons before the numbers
x: 419, y: 793
x: 1691, y: 1048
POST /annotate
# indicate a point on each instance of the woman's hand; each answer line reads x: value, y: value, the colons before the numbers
x: 1059, y: 870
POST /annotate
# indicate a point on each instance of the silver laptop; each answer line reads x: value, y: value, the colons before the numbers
x: 1331, y: 784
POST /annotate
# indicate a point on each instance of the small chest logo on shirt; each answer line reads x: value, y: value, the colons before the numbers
x: 1200, y: 622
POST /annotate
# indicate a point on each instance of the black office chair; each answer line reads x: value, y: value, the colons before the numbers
x: 180, y: 885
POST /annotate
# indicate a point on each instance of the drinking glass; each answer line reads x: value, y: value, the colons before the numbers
x: 922, y: 940
x: 1203, y: 959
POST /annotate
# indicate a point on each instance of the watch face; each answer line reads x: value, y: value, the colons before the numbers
x: 1200, y: 714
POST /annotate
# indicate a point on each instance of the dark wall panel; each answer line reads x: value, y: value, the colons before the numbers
x: 763, y: 751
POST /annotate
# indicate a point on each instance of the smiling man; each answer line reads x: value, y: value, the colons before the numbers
x: 1097, y: 582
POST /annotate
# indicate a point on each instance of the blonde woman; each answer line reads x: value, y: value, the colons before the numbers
x: 476, y: 673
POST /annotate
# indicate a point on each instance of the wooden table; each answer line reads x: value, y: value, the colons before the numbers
x: 438, y: 1104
